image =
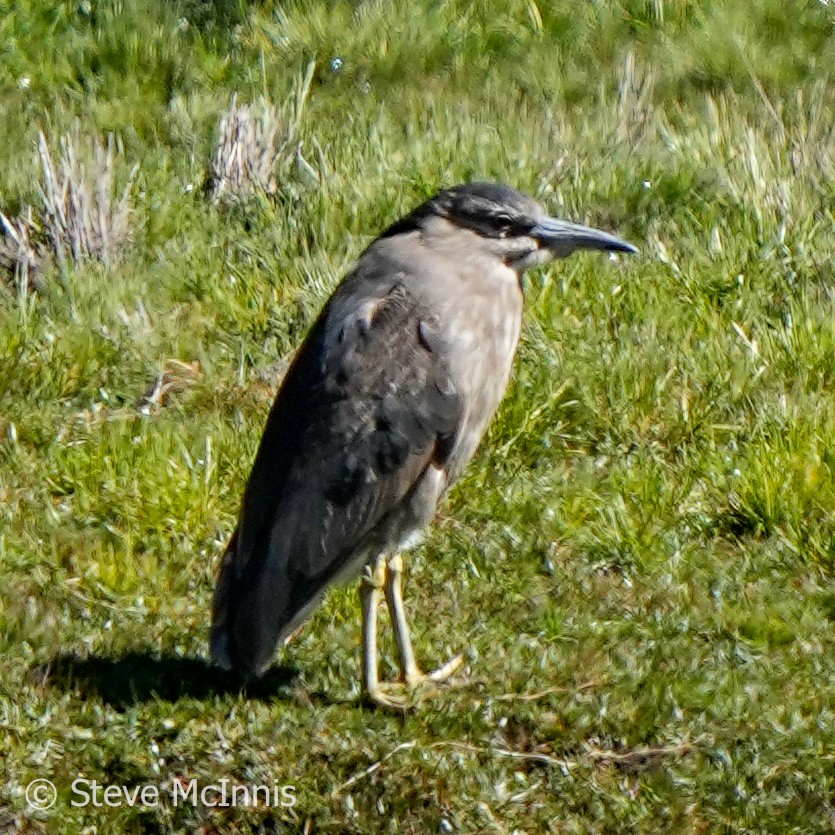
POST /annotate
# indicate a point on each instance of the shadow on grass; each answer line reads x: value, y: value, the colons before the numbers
x: 143, y: 677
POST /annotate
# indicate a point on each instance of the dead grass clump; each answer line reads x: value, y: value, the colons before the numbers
x: 255, y: 141
x: 81, y: 218
x: 246, y: 154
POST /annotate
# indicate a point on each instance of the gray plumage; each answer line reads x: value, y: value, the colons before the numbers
x: 384, y: 404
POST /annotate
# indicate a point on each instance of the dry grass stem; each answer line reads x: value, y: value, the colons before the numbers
x: 548, y: 691
x: 631, y: 760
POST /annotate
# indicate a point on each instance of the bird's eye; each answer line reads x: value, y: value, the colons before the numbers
x: 505, y: 225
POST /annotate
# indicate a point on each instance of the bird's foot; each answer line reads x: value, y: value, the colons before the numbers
x: 393, y: 695
x: 403, y: 695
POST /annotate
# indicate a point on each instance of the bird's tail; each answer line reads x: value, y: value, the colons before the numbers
x: 221, y: 639
x: 256, y: 605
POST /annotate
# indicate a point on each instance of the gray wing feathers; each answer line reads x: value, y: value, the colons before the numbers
x: 366, y: 407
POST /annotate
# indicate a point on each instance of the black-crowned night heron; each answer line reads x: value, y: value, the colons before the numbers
x: 383, y: 406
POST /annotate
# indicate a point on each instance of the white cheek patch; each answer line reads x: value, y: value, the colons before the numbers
x: 537, y: 258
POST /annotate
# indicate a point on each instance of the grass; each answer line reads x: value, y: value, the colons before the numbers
x: 639, y: 563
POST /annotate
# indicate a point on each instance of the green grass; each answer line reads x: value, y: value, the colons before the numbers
x: 639, y: 563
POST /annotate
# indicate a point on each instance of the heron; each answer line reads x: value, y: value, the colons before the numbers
x: 382, y: 407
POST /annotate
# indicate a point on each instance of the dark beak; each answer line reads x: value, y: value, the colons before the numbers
x: 563, y: 238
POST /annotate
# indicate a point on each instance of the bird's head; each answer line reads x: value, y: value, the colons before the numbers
x: 509, y: 225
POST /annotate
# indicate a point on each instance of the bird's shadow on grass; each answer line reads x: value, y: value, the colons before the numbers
x: 143, y: 676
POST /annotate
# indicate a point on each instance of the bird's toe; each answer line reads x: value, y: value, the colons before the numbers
x: 388, y: 695
x: 415, y: 678
x: 446, y: 670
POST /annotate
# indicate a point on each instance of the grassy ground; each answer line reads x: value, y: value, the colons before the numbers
x: 640, y: 561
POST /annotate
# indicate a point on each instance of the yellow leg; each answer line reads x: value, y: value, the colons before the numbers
x: 371, y: 587
x: 410, y: 672
x: 394, y: 599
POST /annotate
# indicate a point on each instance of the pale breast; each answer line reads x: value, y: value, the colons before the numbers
x: 477, y: 305
x: 483, y: 329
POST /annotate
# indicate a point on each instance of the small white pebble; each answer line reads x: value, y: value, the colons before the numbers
x: 646, y: 184
x: 23, y: 82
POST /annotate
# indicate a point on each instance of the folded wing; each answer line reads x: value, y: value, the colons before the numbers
x: 366, y: 408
